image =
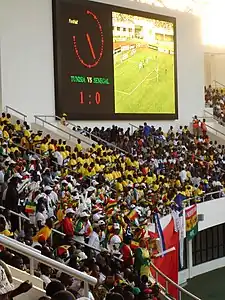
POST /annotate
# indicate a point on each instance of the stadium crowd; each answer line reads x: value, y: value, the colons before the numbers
x: 103, y: 199
x: 215, y: 98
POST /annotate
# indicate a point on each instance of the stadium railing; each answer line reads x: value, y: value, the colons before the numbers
x: 218, y: 121
x: 35, y: 255
x: 187, y: 202
x: 70, y: 135
x: 24, y: 250
x: 168, y: 281
x: 216, y: 84
x: 215, y: 131
x: 82, y: 131
x: 211, y: 116
x: 9, y: 109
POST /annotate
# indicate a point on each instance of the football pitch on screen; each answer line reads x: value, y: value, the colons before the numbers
x: 144, y: 82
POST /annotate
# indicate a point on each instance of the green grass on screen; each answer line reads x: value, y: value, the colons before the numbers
x: 139, y: 90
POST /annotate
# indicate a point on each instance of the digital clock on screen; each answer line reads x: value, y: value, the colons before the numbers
x: 113, y: 63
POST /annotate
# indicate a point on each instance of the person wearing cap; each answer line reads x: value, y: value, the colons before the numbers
x: 67, y: 222
x: 63, y: 119
x: 142, y: 259
x: 115, y: 239
x: 80, y: 227
x: 41, y: 214
x: 50, y: 199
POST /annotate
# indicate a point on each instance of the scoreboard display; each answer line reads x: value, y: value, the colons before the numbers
x: 113, y: 63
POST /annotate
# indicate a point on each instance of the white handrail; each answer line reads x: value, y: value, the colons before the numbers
x: 19, y: 215
x: 217, y: 82
x: 164, y: 290
x: 220, y: 122
x: 7, y: 108
x: 60, y: 129
x: 85, y: 131
x: 182, y: 290
x: 32, y: 254
x: 188, y: 201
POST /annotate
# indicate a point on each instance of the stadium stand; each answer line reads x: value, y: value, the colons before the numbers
x: 102, y: 199
x: 215, y: 98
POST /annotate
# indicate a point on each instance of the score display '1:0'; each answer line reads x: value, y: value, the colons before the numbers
x: 97, y: 98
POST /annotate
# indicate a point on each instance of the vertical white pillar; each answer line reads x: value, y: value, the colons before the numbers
x: 189, y: 259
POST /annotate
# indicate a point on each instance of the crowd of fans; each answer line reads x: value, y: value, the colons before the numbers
x: 103, y: 200
x: 215, y: 98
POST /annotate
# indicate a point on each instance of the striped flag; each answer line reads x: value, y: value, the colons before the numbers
x: 110, y: 204
x: 133, y: 214
x: 134, y: 245
x: 30, y: 208
x: 159, y: 232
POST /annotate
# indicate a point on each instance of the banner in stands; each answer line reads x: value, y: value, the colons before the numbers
x: 168, y: 264
x: 191, y: 218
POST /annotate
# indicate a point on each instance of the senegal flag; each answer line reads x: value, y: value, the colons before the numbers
x: 134, y: 245
x: 30, y: 208
x: 110, y: 204
x: 132, y: 215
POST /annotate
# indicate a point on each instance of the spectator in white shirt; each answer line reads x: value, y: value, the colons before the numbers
x: 183, y: 175
x: 94, y: 240
x: 51, y: 205
x: 41, y: 215
x: 59, y: 157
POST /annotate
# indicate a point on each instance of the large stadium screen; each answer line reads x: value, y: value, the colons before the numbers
x: 113, y: 62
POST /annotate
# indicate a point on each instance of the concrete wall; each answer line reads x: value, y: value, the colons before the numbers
x: 26, y: 45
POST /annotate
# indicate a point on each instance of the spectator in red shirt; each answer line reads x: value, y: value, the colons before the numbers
x: 127, y: 253
x: 204, y: 128
x: 67, y: 222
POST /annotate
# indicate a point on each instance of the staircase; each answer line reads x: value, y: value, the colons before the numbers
x: 215, y: 130
x: 54, y: 130
x: 59, y: 132
x: 53, y: 123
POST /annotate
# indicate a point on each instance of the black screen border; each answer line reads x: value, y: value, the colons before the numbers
x: 57, y: 52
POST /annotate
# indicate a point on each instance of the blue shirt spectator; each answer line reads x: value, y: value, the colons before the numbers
x: 147, y: 130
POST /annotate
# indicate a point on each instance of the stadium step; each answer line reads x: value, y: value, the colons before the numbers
x: 57, y: 134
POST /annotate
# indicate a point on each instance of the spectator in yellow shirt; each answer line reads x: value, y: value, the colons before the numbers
x: 38, y: 136
x: 79, y: 146
x: 8, y: 119
x: 18, y: 126
x: 6, y: 133
x: 44, y: 146
x: 27, y: 133
x: 119, y: 186
x: 45, y: 232
x: 3, y: 117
